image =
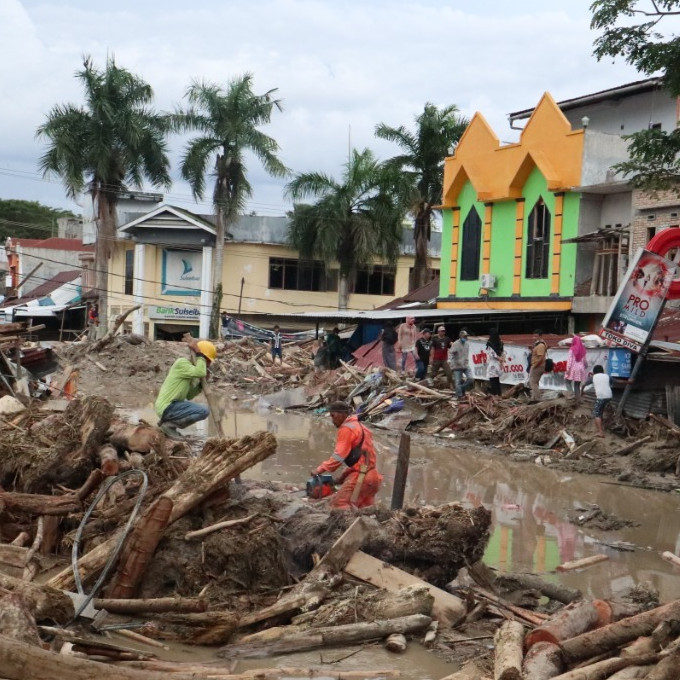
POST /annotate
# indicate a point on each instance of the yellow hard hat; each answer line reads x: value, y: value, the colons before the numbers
x: 207, y: 349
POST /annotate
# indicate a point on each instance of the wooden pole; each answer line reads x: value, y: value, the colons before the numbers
x: 401, y: 473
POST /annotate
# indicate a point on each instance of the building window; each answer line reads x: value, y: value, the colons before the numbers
x: 129, y: 271
x: 471, y: 246
x: 377, y: 281
x: 538, y: 242
x: 290, y: 274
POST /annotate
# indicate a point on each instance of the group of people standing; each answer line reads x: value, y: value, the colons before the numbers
x: 439, y: 353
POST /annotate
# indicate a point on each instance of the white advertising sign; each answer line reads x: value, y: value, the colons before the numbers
x: 517, y: 358
x: 181, y: 272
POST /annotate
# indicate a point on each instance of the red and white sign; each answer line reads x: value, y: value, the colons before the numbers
x: 517, y: 359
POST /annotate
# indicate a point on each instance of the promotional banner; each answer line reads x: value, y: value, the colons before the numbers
x: 638, y: 301
x: 517, y: 359
x: 181, y: 272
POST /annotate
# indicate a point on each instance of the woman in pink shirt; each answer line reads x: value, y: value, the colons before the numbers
x: 577, y: 368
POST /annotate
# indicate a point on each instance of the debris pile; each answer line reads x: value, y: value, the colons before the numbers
x: 158, y: 534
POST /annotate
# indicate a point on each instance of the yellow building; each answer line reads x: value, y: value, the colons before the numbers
x: 163, y: 261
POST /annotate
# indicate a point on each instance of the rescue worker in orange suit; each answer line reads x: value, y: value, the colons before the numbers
x: 353, y: 448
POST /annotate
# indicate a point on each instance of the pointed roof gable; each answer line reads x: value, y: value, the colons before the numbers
x: 499, y: 172
x: 169, y: 217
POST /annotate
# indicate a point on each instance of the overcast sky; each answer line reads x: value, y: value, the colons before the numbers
x: 340, y: 68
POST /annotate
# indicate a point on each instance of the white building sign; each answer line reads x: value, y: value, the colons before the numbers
x: 174, y: 313
x: 181, y: 272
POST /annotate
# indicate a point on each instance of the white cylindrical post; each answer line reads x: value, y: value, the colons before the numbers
x: 138, y: 288
x: 206, y: 292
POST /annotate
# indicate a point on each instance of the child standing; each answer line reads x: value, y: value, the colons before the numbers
x: 603, y: 395
x: 276, y: 343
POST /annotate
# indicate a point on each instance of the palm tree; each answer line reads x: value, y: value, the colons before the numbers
x: 437, y: 133
x: 228, y: 121
x: 112, y: 143
x: 353, y: 221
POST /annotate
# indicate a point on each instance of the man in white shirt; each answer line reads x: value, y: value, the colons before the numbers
x: 407, y: 334
x: 601, y: 383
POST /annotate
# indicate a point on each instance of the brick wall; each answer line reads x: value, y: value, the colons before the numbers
x: 651, y: 213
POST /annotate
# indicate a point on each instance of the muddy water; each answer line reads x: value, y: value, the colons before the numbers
x: 529, y: 504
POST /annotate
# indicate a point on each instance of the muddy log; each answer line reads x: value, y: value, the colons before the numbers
x: 16, y: 618
x: 570, y: 621
x: 220, y: 461
x: 48, y: 603
x: 554, y: 591
x: 36, y: 504
x: 102, y: 342
x: 668, y: 668
x: 21, y: 661
x: 151, y: 606
x: 508, y: 659
x: 207, y: 628
x: 614, y: 635
x: 330, y: 636
x: 631, y: 673
x: 261, y: 673
x: 543, y: 661
x: 139, y: 549
x: 603, y: 669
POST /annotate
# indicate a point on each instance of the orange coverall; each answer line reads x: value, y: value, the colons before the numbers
x: 349, y: 436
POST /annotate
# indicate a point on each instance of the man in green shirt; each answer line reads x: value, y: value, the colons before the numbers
x: 173, y: 405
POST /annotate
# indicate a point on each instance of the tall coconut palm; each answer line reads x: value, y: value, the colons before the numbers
x: 110, y: 144
x: 228, y: 121
x: 353, y: 221
x: 437, y: 132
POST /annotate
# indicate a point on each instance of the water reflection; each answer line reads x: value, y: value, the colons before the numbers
x: 529, y: 503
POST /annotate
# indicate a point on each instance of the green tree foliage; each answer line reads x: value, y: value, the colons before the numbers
x: 28, y: 219
x: 228, y: 122
x: 437, y: 131
x: 353, y: 221
x: 632, y: 29
x: 113, y: 142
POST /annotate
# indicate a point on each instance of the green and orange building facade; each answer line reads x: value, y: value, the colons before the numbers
x: 507, y: 210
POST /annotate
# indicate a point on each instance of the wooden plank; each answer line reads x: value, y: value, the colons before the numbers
x: 448, y: 609
x: 13, y: 556
x: 340, y: 553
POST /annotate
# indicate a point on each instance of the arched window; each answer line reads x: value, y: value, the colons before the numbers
x: 538, y: 242
x: 472, y: 243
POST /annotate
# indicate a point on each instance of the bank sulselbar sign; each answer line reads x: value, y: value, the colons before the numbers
x: 174, y: 313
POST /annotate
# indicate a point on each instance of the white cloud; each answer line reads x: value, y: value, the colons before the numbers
x: 337, y: 66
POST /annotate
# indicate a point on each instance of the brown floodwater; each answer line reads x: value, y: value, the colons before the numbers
x: 530, y: 505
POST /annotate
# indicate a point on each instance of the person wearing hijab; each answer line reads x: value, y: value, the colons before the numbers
x: 577, y: 368
x: 495, y: 358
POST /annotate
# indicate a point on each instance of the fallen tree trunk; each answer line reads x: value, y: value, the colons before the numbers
x: 139, y: 549
x: 17, y: 620
x: 330, y: 636
x: 102, y: 342
x: 603, y: 669
x: 543, y: 661
x: 220, y: 461
x: 508, y: 659
x: 37, y: 504
x: 20, y: 661
x: 614, y: 635
x: 554, y: 591
x: 48, y: 603
x: 569, y: 622
x: 207, y: 628
x: 151, y: 606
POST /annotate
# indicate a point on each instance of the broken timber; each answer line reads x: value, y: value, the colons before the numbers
x: 448, y: 609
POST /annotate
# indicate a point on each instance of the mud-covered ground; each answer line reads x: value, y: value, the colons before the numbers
x: 512, y: 426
